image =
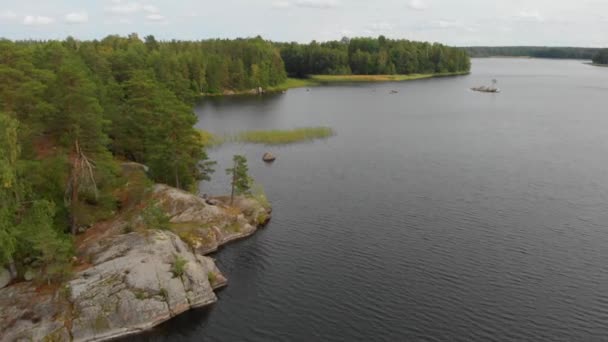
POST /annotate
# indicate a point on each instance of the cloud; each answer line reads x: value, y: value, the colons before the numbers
x: 120, y: 7
x: 445, y: 24
x: 8, y: 14
x: 150, y: 8
x: 77, y: 17
x: 532, y: 16
x: 417, y: 5
x: 280, y: 4
x: 155, y: 17
x: 37, y: 20
x: 379, y: 27
x: 320, y: 4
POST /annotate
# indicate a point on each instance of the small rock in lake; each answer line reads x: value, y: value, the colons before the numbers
x: 269, y: 157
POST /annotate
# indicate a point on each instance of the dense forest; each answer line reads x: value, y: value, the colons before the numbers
x: 71, y: 112
x: 532, y: 51
x: 368, y: 56
x: 601, y: 57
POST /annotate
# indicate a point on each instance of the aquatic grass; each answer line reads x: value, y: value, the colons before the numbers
x: 282, y: 137
x: 291, y: 83
x: 379, y: 78
x: 209, y: 139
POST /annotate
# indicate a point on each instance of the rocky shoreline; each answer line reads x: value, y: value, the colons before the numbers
x: 128, y: 280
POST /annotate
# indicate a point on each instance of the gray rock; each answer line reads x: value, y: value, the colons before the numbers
x: 131, y: 286
x: 212, y: 201
x: 29, y: 275
x: 5, y: 277
x: 269, y: 157
x: 30, y: 315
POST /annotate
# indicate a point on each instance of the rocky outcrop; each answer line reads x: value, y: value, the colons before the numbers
x: 206, y: 227
x: 131, y: 281
x: 139, y: 280
x: 28, y: 313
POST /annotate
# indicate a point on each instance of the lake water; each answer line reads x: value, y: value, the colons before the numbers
x: 435, y: 214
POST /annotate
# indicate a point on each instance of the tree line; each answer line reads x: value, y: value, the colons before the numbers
x: 532, y: 51
x: 601, y: 57
x: 367, y: 56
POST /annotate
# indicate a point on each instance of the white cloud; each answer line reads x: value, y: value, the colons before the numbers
x: 120, y: 7
x: 418, y: 5
x: 77, y: 17
x: 379, y: 26
x: 150, y: 8
x: 8, y: 14
x: 321, y: 4
x: 533, y: 16
x: 37, y: 20
x: 445, y: 24
x: 280, y: 4
x: 155, y: 17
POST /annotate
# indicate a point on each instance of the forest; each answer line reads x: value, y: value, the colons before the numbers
x: 532, y: 51
x: 371, y: 56
x: 601, y: 57
x: 72, y: 112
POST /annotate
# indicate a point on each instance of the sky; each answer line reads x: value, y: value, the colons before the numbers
x: 452, y: 22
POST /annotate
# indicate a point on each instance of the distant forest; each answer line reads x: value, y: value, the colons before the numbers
x: 601, y: 57
x: 532, y: 51
x: 368, y: 56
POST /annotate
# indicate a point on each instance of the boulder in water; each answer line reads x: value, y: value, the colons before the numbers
x: 269, y: 157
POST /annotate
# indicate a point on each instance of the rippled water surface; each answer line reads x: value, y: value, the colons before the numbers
x: 434, y: 214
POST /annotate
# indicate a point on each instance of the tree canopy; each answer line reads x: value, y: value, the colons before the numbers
x: 601, y: 57
x: 532, y: 51
x: 367, y: 56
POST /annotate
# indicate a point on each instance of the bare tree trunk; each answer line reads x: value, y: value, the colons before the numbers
x: 12, y: 268
x: 233, y: 181
x: 177, y: 185
x: 74, y: 192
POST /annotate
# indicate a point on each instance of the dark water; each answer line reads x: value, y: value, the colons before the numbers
x: 435, y: 214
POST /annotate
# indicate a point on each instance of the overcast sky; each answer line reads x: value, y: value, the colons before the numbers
x: 454, y: 22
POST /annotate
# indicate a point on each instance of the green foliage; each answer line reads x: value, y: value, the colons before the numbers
x: 155, y: 218
x: 601, y: 57
x: 179, y: 266
x: 212, y: 277
x: 532, y: 51
x: 241, y: 181
x: 280, y: 137
x: 372, y: 56
x: 38, y: 240
x: 257, y: 192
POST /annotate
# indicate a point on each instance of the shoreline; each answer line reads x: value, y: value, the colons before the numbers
x: 319, y: 80
x: 598, y: 65
x: 128, y: 284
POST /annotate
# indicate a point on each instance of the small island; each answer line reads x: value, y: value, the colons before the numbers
x: 487, y: 89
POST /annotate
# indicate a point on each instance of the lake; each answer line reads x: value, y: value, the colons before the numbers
x: 435, y: 214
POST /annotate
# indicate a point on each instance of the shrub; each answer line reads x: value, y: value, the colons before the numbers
x: 154, y: 217
x: 179, y: 266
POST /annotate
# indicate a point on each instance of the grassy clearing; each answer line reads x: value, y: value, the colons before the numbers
x: 378, y: 78
x: 281, y: 137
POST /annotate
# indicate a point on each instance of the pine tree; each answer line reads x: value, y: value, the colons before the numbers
x: 241, y: 181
